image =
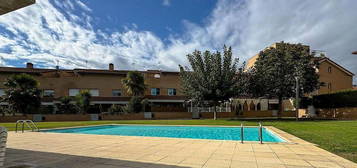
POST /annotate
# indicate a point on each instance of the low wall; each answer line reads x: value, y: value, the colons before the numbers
x: 156, y: 115
x: 166, y: 109
x: 65, y: 117
x: 172, y: 115
x: 14, y: 118
x: 134, y: 116
x: 349, y: 113
x: 267, y: 113
x: 342, y: 113
x: 219, y: 115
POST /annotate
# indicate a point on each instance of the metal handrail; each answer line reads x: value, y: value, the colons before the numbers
x: 33, y: 126
x: 241, y: 133
x: 260, y: 133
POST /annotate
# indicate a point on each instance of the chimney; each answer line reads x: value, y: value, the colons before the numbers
x: 29, y: 65
x: 57, y: 67
x: 111, y: 67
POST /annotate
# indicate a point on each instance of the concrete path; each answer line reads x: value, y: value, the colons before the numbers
x: 60, y: 150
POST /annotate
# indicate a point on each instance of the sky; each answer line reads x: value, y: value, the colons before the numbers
x: 158, y: 34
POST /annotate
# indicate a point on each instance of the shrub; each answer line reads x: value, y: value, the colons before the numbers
x: 347, y: 98
x: 46, y: 109
x: 305, y: 102
x: 6, y: 110
x: 83, y: 101
x: 135, y: 105
x: 116, y: 109
x: 65, y: 106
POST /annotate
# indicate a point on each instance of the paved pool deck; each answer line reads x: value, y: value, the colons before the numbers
x: 60, y: 150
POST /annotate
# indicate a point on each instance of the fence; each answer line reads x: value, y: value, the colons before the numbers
x: 267, y: 113
x: 336, y: 113
x: 209, y: 109
x: 349, y: 113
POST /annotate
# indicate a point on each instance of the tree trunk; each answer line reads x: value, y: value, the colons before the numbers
x: 23, y: 111
x: 280, y: 107
x: 215, y: 112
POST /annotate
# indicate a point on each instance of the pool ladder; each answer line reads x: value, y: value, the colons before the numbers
x: 260, y: 133
x: 29, y: 123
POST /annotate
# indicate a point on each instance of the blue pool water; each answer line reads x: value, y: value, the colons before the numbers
x: 194, y: 132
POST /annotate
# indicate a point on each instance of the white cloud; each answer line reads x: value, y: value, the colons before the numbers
x: 41, y: 33
x: 50, y: 37
x: 84, y: 6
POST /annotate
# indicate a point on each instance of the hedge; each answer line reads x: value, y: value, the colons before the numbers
x: 340, y: 99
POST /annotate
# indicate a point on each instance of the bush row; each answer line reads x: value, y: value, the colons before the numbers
x: 340, y: 99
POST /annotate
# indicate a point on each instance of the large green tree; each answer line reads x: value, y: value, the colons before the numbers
x: 22, y: 93
x: 134, y: 83
x: 277, y: 68
x: 211, y: 77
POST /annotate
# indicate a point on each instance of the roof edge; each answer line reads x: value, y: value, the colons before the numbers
x: 337, y: 65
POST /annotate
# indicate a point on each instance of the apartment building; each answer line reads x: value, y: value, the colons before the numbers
x: 105, y: 85
x: 334, y: 76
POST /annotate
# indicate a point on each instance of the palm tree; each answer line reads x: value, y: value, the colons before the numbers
x: 134, y: 83
x: 83, y: 101
x: 22, y: 93
x: 65, y: 106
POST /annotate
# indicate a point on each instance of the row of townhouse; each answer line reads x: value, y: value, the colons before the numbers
x: 105, y: 85
x: 163, y: 87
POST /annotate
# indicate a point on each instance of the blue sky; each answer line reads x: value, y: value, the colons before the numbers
x: 163, y: 18
x: 157, y: 34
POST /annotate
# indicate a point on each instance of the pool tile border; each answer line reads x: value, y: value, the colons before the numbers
x: 288, y: 138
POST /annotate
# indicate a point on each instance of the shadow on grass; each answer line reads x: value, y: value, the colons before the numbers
x: 16, y: 158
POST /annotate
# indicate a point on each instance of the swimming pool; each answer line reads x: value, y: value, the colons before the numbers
x: 194, y: 132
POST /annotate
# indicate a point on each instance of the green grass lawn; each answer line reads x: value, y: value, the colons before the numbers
x: 339, y: 137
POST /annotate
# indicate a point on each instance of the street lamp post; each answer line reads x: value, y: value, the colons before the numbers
x: 297, y: 97
x: 191, y: 106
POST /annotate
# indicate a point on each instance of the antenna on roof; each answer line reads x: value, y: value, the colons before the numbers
x: 86, y: 64
x: 318, y: 53
x: 57, y: 65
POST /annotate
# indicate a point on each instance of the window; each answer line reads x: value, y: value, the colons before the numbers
x: 155, y: 91
x: 2, y: 92
x: 116, y: 92
x: 329, y: 69
x: 171, y: 91
x: 48, y: 93
x: 94, y: 92
x: 73, y: 92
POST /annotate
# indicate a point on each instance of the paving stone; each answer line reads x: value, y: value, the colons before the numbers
x: 47, y: 150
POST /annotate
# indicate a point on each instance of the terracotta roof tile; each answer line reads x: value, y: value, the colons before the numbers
x: 93, y: 71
